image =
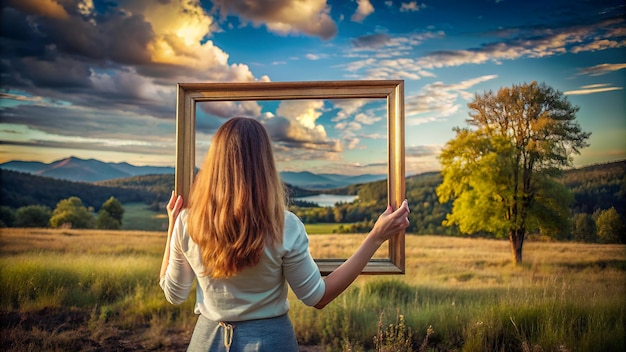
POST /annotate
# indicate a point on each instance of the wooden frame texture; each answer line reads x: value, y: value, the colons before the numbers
x: 392, y: 90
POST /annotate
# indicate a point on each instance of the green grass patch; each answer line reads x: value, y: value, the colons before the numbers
x: 323, y: 228
x: 139, y: 216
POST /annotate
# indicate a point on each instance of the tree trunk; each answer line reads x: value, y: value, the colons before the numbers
x: 516, y: 239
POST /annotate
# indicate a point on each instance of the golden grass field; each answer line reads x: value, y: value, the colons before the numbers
x: 97, y: 290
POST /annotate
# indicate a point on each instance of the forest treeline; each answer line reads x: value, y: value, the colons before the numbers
x: 595, y: 188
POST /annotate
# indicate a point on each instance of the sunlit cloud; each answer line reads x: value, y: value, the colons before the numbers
x: 363, y: 10
x: 591, y: 89
x: 47, y: 8
x: 602, y: 69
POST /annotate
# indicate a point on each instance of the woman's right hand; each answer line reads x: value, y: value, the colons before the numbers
x: 173, y: 208
x: 388, y: 224
x: 391, y: 222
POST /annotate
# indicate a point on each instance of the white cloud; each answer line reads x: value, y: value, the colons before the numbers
x: 315, y: 57
x: 347, y: 107
x: 418, y: 151
x: 366, y: 119
x: 353, y: 143
x: 438, y: 100
x: 412, y: 6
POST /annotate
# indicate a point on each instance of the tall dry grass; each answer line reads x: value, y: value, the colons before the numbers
x: 566, y: 296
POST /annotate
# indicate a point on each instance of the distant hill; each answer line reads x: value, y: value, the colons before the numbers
x: 162, y: 185
x: 313, y: 181
x: 18, y: 189
x: 81, y: 170
x: 599, y: 186
x: 92, y: 170
x: 595, y: 187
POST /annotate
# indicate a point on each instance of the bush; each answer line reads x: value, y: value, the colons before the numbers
x: 114, y: 208
x: 106, y: 222
x: 610, y: 226
x: 71, y: 212
x: 7, y: 216
x: 32, y: 216
x: 584, y: 228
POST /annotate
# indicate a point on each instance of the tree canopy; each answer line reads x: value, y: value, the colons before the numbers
x: 499, y: 170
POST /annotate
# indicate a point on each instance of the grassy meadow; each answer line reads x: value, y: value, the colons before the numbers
x: 99, y: 288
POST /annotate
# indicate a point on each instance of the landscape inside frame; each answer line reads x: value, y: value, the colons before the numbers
x: 321, y: 147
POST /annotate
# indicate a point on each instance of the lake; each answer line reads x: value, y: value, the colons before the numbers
x: 327, y: 200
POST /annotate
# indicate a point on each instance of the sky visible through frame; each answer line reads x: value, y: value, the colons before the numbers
x: 97, y: 79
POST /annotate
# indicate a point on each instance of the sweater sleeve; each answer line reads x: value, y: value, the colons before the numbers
x: 300, y: 269
x: 179, y: 277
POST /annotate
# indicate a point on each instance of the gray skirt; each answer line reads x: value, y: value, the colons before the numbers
x: 262, y: 335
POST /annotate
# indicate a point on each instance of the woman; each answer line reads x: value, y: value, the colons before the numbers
x: 237, y: 240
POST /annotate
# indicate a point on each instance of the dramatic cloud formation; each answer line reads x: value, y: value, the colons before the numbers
x: 531, y: 44
x: 162, y: 45
x: 98, y: 78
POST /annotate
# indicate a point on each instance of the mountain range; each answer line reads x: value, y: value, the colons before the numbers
x: 83, y: 170
x: 92, y: 170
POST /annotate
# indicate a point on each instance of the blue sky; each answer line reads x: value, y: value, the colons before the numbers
x: 97, y: 79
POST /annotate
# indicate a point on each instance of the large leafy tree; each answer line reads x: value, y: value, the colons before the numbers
x: 499, y: 170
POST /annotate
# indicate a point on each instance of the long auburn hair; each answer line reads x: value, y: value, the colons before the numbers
x: 237, y: 201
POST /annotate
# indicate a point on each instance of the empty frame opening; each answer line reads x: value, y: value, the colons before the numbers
x: 326, y: 136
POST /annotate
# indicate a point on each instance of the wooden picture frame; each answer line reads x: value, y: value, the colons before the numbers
x: 392, y: 90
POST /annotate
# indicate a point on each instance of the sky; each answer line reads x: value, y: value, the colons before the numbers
x: 97, y: 79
